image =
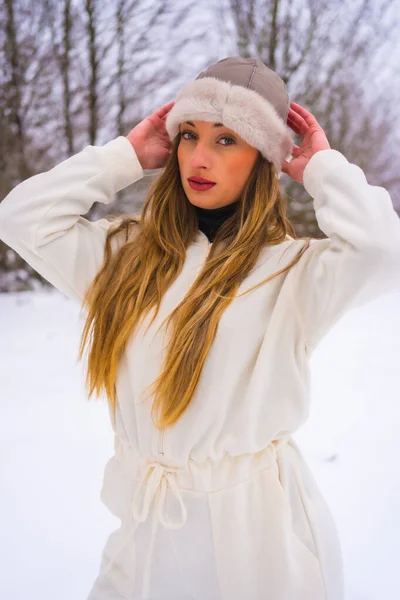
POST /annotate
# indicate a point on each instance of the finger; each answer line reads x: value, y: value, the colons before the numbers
x: 295, y: 117
x: 298, y: 129
x: 161, y: 112
x: 299, y: 122
x: 293, y: 114
x: 307, y: 116
x: 292, y: 122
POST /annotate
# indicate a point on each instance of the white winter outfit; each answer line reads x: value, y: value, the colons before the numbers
x: 221, y: 506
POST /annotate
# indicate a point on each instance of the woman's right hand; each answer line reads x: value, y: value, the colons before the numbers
x: 150, y: 139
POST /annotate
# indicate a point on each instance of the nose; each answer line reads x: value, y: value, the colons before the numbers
x: 201, y: 157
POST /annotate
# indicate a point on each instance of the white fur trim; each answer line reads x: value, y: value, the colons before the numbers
x: 243, y: 110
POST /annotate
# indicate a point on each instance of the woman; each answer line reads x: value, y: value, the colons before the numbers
x: 215, y: 499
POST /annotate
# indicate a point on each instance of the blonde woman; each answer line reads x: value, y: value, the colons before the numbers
x: 201, y: 317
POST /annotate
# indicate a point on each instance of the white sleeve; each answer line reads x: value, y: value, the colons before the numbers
x: 360, y: 259
x: 41, y: 218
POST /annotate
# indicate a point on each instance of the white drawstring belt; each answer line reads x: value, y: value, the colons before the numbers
x: 153, y: 483
x: 158, y: 477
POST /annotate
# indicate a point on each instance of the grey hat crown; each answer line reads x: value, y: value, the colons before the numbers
x: 252, y: 74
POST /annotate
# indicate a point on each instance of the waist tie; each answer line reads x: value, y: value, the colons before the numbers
x: 156, y: 489
x: 158, y: 476
x: 205, y: 477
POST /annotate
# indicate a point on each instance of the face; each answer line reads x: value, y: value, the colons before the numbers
x: 212, y: 151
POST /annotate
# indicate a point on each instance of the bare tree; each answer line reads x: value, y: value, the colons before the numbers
x: 142, y: 71
x: 327, y: 57
x: 92, y: 9
x: 14, y: 68
x: 61, y: 39
x: 75, y: 72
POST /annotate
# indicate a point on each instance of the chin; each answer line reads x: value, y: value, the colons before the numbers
x: 206, y: 203
x: 201, y: 199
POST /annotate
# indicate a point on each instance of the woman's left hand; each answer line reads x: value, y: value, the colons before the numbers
x: 305, y: 125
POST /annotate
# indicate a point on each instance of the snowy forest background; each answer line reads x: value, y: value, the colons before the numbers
x: 79, y: 72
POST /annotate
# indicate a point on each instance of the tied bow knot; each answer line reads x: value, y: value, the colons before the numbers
x: 159, y: 476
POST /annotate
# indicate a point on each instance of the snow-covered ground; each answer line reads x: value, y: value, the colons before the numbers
x: 54, y: 445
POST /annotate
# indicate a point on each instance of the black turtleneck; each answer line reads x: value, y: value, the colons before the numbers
x: 211, y: 219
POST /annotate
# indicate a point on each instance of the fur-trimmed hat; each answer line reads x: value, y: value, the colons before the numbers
x: 244, y: 95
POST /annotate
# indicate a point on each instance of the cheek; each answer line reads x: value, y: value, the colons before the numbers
x: 179, y: 151
x: 182, y: 162
x: 181, y: 155
x: 239, y: 169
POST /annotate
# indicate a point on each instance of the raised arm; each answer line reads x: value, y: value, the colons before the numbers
x: 360, y: 259
x: 41, y: 218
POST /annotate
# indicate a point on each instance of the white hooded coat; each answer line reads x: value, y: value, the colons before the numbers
x: 222, y: 505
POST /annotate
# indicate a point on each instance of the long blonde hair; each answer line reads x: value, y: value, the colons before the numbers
x: 133, y: 279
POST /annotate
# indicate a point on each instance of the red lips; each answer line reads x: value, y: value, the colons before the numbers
x: 200, y: 180
x: 200, y: 186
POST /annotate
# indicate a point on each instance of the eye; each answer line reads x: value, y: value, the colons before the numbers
x: 221, y: 138
x: 228, y: 138
x: 183, y: 134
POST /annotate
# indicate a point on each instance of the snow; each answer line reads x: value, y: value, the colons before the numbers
x: 55, y: 443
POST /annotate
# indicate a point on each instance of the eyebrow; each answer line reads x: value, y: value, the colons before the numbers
x: 215, y: 124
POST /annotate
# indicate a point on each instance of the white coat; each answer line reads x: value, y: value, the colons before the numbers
x: 222, y: 506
